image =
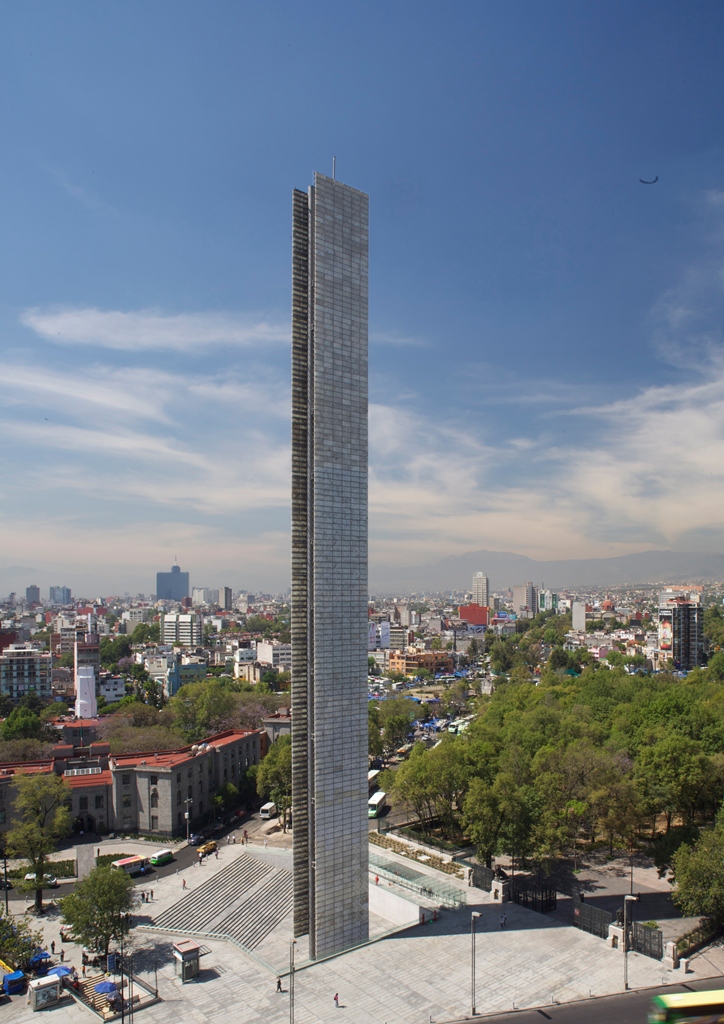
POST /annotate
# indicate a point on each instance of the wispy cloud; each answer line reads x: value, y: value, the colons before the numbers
x: 397, y: 338
x: 142, y: 330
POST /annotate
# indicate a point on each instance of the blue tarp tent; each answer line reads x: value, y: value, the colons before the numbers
x: 14, y: 983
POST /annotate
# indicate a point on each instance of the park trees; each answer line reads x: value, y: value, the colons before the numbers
x: 699, y: 874
x: 202, y: 708
x: 18, y: 941
x: 22, y: 724
x: 395, y: 716
x: 274, y: 776
x: 43, y: 819
x: 97, y: 912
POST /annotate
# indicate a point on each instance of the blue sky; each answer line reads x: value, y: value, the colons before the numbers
x: 546, y: 351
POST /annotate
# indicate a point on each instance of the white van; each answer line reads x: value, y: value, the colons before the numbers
x: 268, y: 811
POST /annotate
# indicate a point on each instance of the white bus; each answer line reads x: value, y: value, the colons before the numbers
x: 372, y: 777
x: 268, y: 811
x: 131, y: 865
x: 376, y: 804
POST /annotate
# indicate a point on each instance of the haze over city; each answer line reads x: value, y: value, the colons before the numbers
x: 545, y: 329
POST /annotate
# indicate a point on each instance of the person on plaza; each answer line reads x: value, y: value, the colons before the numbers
x: 502, y: 920
x: 52, y: 947
x: 83, y: 970
x: 377, y: 879
x: 266, y: 842
x: 336, y: 999
x: 184, y: 883
x: 279, y: 985
x: 62, y: 955
x: 246, y: 838
x: 151, y: 893
x: 217, y: 854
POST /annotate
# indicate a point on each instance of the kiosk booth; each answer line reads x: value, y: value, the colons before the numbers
x: 44, y: 992
x: 187, y: 954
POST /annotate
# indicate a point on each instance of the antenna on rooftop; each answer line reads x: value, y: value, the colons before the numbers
x: 334, y: 168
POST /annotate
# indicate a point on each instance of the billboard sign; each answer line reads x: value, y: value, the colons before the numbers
x: 666, y: 631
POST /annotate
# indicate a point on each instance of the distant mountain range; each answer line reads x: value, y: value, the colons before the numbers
x: 506, y: 569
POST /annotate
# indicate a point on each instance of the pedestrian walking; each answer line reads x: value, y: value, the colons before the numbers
x: 83, y: 970
x: 201, y: 857
x: 266, y: 843
x: 336, y: 999
x: 184, y: 883
x: 279, y: 985
x: 502, y: 920
x: 52, y: 947
x: 62, y: 955
x: 99, y: 851
x: 151, y: 893
x: 217, y: 854
x: 377, y: 879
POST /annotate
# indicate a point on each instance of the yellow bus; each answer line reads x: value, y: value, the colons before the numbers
x: 685, y: 1007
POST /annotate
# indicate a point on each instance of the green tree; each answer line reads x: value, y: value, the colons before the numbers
x: 374, y: 726
x: 97, y: 912
x: 274, y: 776
x: 66, y: 660
x: 495, y: 812
x: 699, y: 874
x: 396, y: 717
x: 53, y: 711
x: 18, y: 941
x: 226, y: 797
x: 22, y: 724
x: 201, y: 709
x: 43, y: 819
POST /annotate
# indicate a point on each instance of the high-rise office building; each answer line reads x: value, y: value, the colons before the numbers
x: 681, y: 633
x: 480, y: 589
x: 172, y: 586
x: 225, y: 601
x: 329, y: 565
x: 525, y: 599
x: 32, y: 594
x: 60, y: 595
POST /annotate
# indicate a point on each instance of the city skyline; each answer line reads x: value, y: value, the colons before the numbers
x: 545, y: 343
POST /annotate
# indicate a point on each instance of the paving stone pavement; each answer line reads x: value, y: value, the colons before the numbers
x: 407, y: 978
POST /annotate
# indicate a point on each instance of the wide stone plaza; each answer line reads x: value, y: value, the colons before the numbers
x: 411, y: 976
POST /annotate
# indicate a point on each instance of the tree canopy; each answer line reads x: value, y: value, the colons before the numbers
x: 41, y: 803
x: 96, y: 911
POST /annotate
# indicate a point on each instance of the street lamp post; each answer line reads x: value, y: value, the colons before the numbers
x: 292, y: 944
x: 5, y: 862
x: 188, y: 801
x: 626, y: 901
x: 473, y: 916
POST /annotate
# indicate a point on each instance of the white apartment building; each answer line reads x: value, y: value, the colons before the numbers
x: 186, y: 630
x: 24, y: 670
x: 276, y: 654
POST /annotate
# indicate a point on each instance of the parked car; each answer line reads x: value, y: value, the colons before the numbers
x: 195, y: 838
x: 49, y: 881
x: 207, y: 848
x: 5, y: 885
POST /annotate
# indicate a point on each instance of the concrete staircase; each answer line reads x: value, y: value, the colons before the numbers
x: 244, y: 901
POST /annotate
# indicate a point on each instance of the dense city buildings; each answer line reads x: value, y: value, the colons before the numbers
x: 173, y: 585
x: 329, y: 565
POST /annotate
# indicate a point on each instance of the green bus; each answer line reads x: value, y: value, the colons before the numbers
x: 685, y: 1007
x: 161, y: 857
